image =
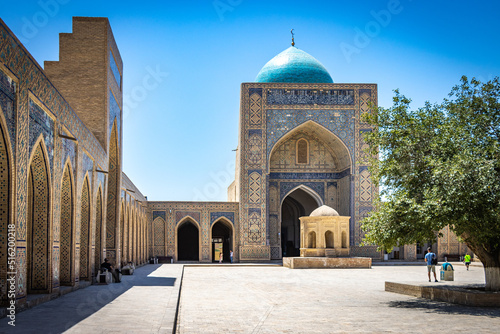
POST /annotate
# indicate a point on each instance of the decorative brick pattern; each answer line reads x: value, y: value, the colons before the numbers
x: 66, y: 229
x: 85, y: 231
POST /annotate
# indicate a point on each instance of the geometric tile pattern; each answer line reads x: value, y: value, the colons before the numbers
x: 365, y: 186
x: 159, y: 236
x: 98, y: 231
x: 254, y: 186
x: 66, y: 230
x: 113, y: 176
x: 255, y: 109
x: 4, y: 214
x: 216, y: 215
x: 84, y: 231
x: 39, y: 224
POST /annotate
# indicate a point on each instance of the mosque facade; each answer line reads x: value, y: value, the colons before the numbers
x: 66, y: 203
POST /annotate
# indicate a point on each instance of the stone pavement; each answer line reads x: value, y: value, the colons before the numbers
x: 258, y: 299
x: 280, y: 300
x: 145, y: 302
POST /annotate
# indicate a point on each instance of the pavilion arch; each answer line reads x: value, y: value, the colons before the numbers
x: 67, y: 226
x: 39, y: 226
x: 85, y: 230
x: 229, y: 244
x: 6, y: 203
x: 341, y: 154
x: 187, y: 220
x: 99, y: 240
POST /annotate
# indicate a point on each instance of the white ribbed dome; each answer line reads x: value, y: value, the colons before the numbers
x: 324, y: 210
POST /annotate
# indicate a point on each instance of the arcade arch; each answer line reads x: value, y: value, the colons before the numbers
x: 222, y: 232
x: 188, y: 239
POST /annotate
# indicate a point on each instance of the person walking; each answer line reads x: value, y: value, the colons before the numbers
x: 467, y: 260
x: 220, y: 257
x: 431, y: 260
x: 231, y: 256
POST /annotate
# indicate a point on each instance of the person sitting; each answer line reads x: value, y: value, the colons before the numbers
x: 116, y: 273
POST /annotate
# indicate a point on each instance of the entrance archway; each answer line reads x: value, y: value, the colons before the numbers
x: 188, y: 238
x: 297, y: 204
x: 222, y: 233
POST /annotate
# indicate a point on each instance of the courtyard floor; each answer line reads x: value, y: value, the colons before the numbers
x: 258, y: 299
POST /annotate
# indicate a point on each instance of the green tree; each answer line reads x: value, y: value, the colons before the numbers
x: 439, y: 165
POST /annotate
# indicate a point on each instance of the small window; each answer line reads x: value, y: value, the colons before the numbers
x: 302, y: 151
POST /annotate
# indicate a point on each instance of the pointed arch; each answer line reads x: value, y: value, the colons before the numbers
x: 39, y: 227
x: 6, y: 204
x: 159, y: 226
x: 98, y: 231
x: 226, y: 230
x: 309, y: 191
x: 67, y: 227
x: 336, y: 145
x: 193, y: 244
x: 112, y: 201
x: 85, y: 230
x: 123, y: 236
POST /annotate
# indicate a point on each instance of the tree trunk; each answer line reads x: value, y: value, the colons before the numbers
x: 491, y: 264
x: 492, y: 276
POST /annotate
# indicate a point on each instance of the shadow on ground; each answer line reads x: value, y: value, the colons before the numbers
x: 60, y: 314
x: 446, y: 308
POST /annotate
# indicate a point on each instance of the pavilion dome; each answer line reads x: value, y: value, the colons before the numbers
x: 324, y: 210
x: 294, y: 65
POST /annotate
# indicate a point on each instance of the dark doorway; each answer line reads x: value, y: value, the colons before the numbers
x: 188, y: 242
x: 297, y: 204
x: 221, y: 232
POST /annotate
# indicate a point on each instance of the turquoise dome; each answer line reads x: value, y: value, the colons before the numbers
x: 294, y: 65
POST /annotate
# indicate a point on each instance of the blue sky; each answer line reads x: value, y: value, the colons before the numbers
x: 179, y: 136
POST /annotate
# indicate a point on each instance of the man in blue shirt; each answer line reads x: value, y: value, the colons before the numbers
x: 430, y: 266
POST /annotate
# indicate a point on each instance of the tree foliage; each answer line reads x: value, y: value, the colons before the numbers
x: 438, y: 165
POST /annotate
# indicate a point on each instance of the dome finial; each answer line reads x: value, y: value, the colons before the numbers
x: 293, y: 42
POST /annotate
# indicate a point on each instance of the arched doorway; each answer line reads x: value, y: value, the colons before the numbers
x: 188, y: 236
x: 222, y: 235
x: 38, y: 227
x: 66, y: 259
x: 85, y: 231
x: 297, y: 204
x: 5, y: 237
x: 98, y: 232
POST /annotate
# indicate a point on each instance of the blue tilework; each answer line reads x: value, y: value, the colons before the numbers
x: 294, y: 65
x: 258, y: 171
x: 216, y: 215
x: 362, y: 169
x: 369, y: 91
x: 68, y: 150
x: 87, y: 163
x: 7, y: 102
x: 310, y: 96
x: 41, y: 123
x: 255, y: 132
x: 318, y: 187
x: 161, y: 214
x: 309, y: 176
x: 114, y: 69
x: 114, y: 112
x: 339, y: 122
x: 328, y: 184
x: 253, y: 210
x: 257, y: 91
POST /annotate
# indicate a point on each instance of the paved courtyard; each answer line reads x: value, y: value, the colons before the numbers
x: 280, y: 300
x: 257, y: 299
